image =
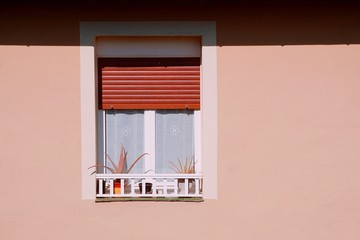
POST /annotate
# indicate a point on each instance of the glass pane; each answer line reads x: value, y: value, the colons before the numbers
x: 125, y: 127
x: 174, y: 139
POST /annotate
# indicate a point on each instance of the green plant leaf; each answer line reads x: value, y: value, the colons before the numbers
x: 180, y: 165
x: 188, y: 167
x: 122, y: 159
x: 175, y: 168
x: 102, y: 166
x: 112, y: 162
x: 133, y: 164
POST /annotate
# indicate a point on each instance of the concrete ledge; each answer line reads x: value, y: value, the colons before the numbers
x: 149, y: 199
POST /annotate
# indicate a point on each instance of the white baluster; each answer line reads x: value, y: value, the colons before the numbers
x: 197, y: 186
x: 165, y: 186
x: 111, y: 186
x: 122, y: 186
x: 176, y: 191
x: 100, y: 182
x: 132, y: 186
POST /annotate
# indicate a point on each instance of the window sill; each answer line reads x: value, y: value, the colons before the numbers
x: 149, y: 199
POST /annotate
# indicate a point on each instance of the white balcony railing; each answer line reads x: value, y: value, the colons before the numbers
x: 156, y: 185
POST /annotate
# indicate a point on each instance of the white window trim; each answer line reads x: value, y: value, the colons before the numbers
x: 150, y: 139
x: 149, y: 123
x: 207, y: 31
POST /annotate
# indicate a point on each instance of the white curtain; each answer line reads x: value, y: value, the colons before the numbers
x: 125, y: 127
x: 174, y: 138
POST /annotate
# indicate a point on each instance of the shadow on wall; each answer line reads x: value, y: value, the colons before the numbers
x: 255, y: 23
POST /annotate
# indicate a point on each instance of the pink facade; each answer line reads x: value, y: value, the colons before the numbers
x: 288, y: 132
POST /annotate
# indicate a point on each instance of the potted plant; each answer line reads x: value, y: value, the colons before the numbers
x: 119, y: 168
x: 187, y: 168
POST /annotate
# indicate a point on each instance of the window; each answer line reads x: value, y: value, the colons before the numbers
x: 90, y: 50
x: 173, y: 141
x: 172, y: 146
x: 164, y: 91
x: 150, y: 105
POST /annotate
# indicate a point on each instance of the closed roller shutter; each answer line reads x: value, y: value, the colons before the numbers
x: 149, y: 83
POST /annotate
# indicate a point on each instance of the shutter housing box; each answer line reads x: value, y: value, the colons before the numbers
x: 149, y: 83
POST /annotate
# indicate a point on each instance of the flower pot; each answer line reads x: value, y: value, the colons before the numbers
x: 148, y: 187
x: 117, y: 186
x: 105, y: 187
x: 191, y: 186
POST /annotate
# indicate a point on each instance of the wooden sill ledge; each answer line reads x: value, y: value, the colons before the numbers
x: 149, y: 199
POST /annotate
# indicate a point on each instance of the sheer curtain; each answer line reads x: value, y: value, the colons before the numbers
x: 125, y: 127
x: 174, y: 138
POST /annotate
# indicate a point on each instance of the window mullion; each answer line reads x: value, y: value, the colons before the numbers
x: 149, y: 139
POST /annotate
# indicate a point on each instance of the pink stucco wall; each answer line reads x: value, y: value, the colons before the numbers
x: 288, y: 150
x: 288, y: 138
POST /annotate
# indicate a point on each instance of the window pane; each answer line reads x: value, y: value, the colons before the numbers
x: 125, y: 127
x: 174, y: 138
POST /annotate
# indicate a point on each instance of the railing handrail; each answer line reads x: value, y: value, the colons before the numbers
x: 145, y: 175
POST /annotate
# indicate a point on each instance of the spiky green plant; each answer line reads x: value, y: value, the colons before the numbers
x: 116, y: 169
x: 188, y: 167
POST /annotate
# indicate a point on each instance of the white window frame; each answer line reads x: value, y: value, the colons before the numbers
x: 150, y: 139
x: 208, y: 139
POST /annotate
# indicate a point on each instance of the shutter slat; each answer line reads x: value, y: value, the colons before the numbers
x: 151, y: 106
x: 194, y: 96
x: 151, y: 87
x: 172, y: 83
x: 153, y: 73
x: 150, y: 69
x: 146, y: 92
x: 155, y: 78
x: 151, y: 82
x: 159, y: 101
x: 154, y: 92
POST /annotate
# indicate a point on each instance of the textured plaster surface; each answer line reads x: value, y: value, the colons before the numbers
x: 288, y: 160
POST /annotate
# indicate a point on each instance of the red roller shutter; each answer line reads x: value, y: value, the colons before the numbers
x: 149, y: 83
